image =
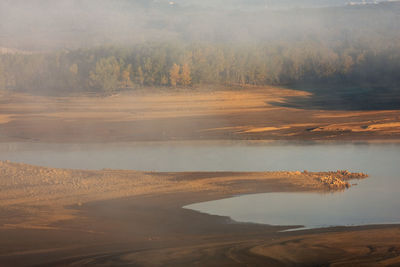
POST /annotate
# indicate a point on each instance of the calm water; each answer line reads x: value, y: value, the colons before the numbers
x: 374, y: 200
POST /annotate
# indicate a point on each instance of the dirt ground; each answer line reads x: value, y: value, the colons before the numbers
x: 252, y: 113
x: 60, y: 217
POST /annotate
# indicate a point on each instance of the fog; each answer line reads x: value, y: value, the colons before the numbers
x: 43, y: 25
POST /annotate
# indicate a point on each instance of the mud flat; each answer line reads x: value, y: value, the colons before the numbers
x: 59, y: 217
x: 250, y: 113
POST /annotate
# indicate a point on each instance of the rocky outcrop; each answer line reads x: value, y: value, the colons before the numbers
x: 339, y: 179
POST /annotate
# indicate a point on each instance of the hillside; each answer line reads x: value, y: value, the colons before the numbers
x: 47, y: 25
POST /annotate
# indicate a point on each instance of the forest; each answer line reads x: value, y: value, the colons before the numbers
x: 111, y: 68
x: 103, y: 46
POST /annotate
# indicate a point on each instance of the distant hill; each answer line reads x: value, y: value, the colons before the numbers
x: 68, y: 24
x: 6, y: 50
x: 275, y: 3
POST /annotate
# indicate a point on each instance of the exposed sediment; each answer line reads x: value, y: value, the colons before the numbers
x: 27, y: 188
x: 23, y: 183
x: 60, y: 217
x: 255, y: 113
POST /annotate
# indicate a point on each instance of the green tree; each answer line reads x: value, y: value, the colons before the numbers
x: 126, y: 77
x: 174, y: 75
x: 185, y: 77
x: 106, y: 74
x: 164, y: 80
x: 139, y: 76
x: 74, y: 69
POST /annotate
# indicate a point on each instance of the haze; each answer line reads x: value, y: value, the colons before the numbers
x: 43, y: 25
x: 191, y: 101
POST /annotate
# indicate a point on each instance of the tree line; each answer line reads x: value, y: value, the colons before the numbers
x: 108, y: 69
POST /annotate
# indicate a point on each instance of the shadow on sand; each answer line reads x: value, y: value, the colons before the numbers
x: 339, y: 97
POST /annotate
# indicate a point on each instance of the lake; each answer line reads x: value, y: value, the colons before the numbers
x: 374, y: 200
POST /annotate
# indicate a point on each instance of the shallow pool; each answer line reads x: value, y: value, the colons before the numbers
x: 373, y: 200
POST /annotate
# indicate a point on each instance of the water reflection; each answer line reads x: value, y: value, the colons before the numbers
x: 208, y: 156
x: 373, y: 200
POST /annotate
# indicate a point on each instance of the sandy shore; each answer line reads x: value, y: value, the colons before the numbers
x: 60, y: 217
x: 253, y: 113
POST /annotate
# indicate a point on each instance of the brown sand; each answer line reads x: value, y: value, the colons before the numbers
x: 149, y: 115
x: 54, y: 217
x: 59, y: 217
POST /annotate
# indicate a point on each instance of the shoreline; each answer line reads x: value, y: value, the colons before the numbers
x: 215, y: 141
x: 129, y: 217
x: 254, y: 113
